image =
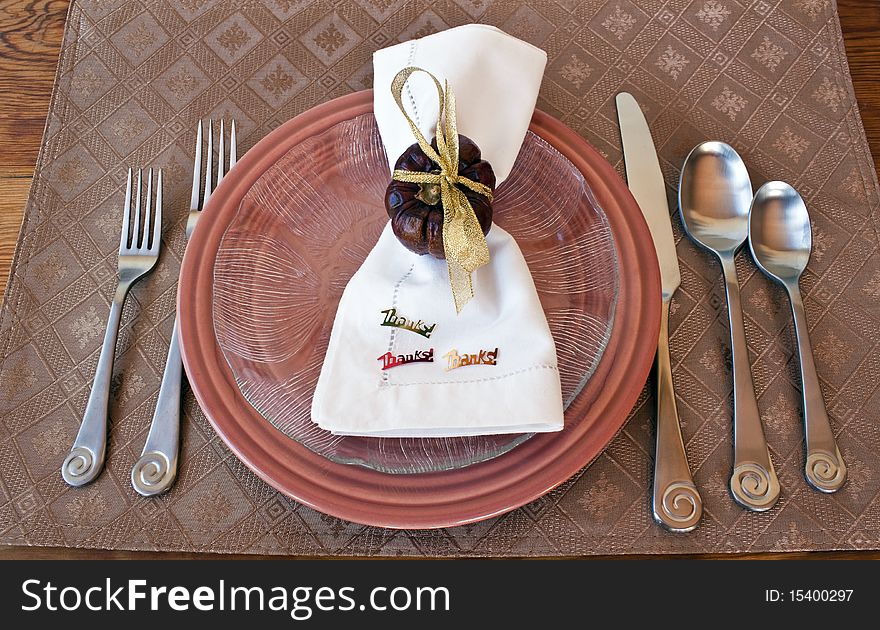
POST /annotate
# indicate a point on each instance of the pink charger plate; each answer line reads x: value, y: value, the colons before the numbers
x: 447, y: 497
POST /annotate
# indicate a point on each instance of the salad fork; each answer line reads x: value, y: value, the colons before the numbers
x: 138, y: 253
x: 156, y: 469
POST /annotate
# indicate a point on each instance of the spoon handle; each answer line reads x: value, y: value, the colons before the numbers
x: 754, y: 484
x: 825, y: 469
x: 677, y: 504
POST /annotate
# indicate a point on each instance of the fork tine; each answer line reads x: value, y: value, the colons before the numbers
x: 126, y: 214
x: 148, y: 212
x: 210, y: 159
x: 233, y: 147
x: 221, y: 154
x: 136, y: 233
x: 157, y: 221
x: 197, y: 171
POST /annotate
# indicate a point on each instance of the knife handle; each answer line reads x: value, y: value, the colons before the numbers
x: 677, y: 504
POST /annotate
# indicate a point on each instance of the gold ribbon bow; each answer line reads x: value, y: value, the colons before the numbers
x: 464, y: 243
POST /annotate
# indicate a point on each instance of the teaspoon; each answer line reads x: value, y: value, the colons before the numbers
x: 781, y: 239
x: 714, y: 196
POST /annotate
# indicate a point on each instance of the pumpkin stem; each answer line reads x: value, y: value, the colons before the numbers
x: 429, y: 194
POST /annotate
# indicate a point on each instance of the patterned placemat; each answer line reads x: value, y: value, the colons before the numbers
x: 769, y: 77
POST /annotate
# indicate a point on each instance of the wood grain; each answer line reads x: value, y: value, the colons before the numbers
x: 30, y: 38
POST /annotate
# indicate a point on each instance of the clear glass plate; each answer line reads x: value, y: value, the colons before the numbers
x: 307, y: 224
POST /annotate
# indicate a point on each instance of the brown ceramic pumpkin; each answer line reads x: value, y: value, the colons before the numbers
x: 416, y: 211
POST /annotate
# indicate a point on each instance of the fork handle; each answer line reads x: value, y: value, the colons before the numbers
x: 156, y: 469
x: 86, y: 457
x: 677, y: 504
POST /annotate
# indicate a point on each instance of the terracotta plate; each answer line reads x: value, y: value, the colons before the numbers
x: 503, y: 478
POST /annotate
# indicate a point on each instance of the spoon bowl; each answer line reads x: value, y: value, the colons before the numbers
x: 714, y: 195
x: 779, y: 231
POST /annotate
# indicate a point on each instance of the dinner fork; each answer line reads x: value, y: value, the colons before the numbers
x: 138, y: 253
x: 156, y: 469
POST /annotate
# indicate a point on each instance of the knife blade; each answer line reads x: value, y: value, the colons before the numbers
x: 645, y: 181
x: 677, y: 504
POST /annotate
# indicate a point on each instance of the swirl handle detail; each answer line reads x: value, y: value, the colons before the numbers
x: 754, y: 483
x: 677, y: 504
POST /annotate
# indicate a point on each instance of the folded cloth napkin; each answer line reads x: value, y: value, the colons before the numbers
x: 401, y: 362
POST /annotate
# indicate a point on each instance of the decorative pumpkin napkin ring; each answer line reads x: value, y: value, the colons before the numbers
x: 440, y: 196
x: 419, y: 356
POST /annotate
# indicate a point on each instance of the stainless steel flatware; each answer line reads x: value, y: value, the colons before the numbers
x: 677, y: 504
x: 715, y: 194
x: 156, y: 469
x: 780, y: 238
x: 138, y: 253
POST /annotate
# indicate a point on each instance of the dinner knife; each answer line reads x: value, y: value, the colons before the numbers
x: 677, y: 504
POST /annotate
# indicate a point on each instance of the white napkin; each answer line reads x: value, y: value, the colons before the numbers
x: 496, y: 80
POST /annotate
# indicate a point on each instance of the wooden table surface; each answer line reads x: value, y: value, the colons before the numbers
x: 30, y: 37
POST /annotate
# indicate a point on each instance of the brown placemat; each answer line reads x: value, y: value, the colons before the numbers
x: 769, y: 77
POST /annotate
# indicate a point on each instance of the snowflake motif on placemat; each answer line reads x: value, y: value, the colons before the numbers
x: 109, y: 224
x: 729, y: 103
x: 619, y: 22
x: 233, y: 38
x: 17, y: 378
x: 829, y: 95
x: 126, y: 386
x: 85, y: 83
x: 854, y: 185
x: 181, y: 83
x: 713, y: 360
x: 174, y: 171
x: 337, y: 526
x: 769, y: 55
x: 791, y: 539
x: 778, y: 414
x: 51, y: 271
x: 672, y: 62
x: 86, y: 327
x: 713, y: 14
x: 833, y: 352
x: 383, y: 5
x: 760, y: 299
x: 576, y: 71
x: 51, y: 441
x: 287, y: 5
x: 872, y: 286
x: 821, y: 242
x: 277, y: 82
x: 72, y: 173
x: 139, y: 39
x: 331, y: 39
x: 858, y: 473
x: 207, y: 512
x: 813, y: 8
x: 424, y: 31
x: 791, y: 144
x: 717, y: 486
x: 127, y: 127
x: 87, y: 508
x: 193, y: 5
x: 601, y: 497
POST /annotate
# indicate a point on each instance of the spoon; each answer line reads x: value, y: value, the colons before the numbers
x: 714, y: 196
x: 780, y: 239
